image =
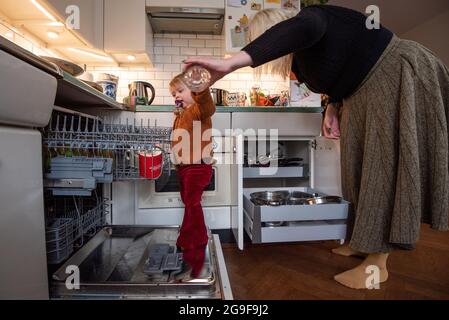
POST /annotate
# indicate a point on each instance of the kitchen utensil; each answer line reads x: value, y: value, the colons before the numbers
x: 109, y: 83
x: 67, y: 66
x: 138, y: 93
x: 150, y: 163
x: 232, y: 99
x: 196, y: 78
x: 219, y: 96
x: 324, y: 200
x: 298, y: 197
x: 270, y: 198
x: 94, y: 85
x: 86, y: 76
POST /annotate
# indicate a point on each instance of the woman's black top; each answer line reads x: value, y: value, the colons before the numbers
x: 333, y: 48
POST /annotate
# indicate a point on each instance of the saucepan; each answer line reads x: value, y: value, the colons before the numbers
x: 270, y: 198
x: 219, y: 96
x: 298, y: 197
x: 324, y: 200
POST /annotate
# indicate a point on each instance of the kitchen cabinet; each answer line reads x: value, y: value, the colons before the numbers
x: 303, y: 162
x: 91, y: 19
x: 239, y: 13
x: 127, y: 31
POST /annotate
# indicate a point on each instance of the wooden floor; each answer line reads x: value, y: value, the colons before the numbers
x: 305, y: 271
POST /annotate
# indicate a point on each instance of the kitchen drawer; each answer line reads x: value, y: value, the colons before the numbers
x: 293, y: 222
x: 293, y: 212
x: 287, y: 124
x: 304, y: 231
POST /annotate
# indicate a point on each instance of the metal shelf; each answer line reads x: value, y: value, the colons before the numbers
x: 73, y: 93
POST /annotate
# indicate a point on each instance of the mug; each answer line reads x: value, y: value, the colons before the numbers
x: 150, y: 163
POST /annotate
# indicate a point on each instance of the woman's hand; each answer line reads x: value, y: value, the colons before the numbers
x: 219, y: 68
x: 331, y: 127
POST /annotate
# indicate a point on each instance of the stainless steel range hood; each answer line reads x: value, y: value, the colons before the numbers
x: 186, y: 20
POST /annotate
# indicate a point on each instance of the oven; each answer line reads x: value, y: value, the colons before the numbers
x: 164, y: 193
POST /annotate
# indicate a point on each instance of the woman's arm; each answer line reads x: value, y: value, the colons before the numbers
x: 220, y: 67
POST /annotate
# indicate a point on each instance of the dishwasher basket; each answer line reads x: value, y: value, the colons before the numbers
x: 70, y: 222
x: 81, y: 152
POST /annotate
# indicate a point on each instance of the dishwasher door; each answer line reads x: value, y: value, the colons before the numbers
x: 111, y: 266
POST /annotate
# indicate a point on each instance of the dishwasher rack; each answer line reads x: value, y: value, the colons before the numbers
x: 70, y: 222
x: 138, y: 151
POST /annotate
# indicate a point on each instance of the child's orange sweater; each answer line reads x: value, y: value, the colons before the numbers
x: 195, y: 120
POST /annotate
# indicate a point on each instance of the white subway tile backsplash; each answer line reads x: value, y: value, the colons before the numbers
x: 162, y: 58
x: 214, y: 44
x: 158, y: 100
x: 129, y: 75
x: 166, y: 84
x: 158, y: 50
x: 146, y: 75
x: 197, y: 43
x: 157, y: 84
x: 218, y: 52
x: 171, y: 35
x: 205, y: 51
x: 158, y: 35
x: 177, y: 59
x: 205, y: 36
x: 174, y: 67
x: 245, y: 76
x: 171, y: 51
x: 180, y: 42
x: 188, y: 51
x: 163, y: 76
x: 188, y: 36
x: 169, y: 101
x: 162, y: 42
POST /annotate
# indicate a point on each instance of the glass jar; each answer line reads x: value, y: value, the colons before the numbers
x: 196, y: 78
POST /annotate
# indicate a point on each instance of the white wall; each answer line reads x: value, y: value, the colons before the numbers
x: 169, y: 51
x: 433, y: 34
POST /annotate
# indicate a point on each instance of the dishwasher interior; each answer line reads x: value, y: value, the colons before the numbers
x: 82, y: 155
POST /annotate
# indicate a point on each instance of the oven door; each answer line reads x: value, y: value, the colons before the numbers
x: 165, y: 194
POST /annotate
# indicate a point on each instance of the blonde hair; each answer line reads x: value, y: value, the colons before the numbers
x: 176, y: 82
x: 261, y: 22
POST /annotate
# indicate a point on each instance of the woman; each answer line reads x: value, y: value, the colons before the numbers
x: 394, y: 98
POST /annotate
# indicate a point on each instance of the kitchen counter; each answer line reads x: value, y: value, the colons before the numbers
x: 155, y: 108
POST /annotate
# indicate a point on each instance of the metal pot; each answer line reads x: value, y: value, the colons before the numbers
x: 324, y: 200
x: 298, y: 198
x: 270, y: 198
x: 219, y: 96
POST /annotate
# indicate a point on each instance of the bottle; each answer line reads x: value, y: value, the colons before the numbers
x: 196, y: 78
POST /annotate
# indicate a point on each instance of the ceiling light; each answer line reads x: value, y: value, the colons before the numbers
x: 52, y: 34
x: 43, y: 10
x: 131, y: 58
x: 91, y: 54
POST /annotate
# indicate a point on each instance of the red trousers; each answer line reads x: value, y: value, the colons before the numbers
x: 193, y: 233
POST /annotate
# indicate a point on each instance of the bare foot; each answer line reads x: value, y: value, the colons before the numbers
x: 345, y: 250
x: 363, y: 276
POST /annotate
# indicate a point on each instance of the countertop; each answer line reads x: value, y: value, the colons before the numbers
x: 160, y: 108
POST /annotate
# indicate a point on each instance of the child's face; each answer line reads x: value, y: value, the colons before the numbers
x: 182, y: 94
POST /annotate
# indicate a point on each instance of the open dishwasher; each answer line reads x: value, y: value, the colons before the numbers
x: 88, y: 255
